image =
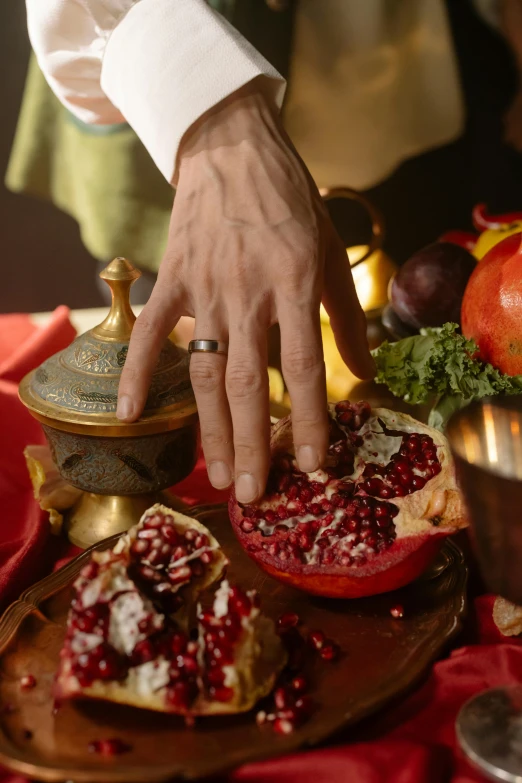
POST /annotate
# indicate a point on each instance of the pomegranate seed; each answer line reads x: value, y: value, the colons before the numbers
x: 386, y: 492
x: 270, y: 516
x: 178, y: 643
x: 299, y: 684
x: 418, y: 482
x: 283, y: 726
x: 239, y: 602
x: 90, y: 570
x: 149, y: 574
x: 261, y: 717
x: 27, y: 682
x: 317, y: 639
x: 248, y: 511
x: 329, y: 652
x: 383, y: 522
x: 222, y: 694
x: 179, y: 575
x: 206, y: 557
x: 247, y: 526
x: 147, y: 534
x: 282, y: 512
x: 158, y: 556
x: 157, y: 520
x: 109, y: 747
x: 373, y: 486
x: 180, y: 694
x: 282, y: 698
x: 140, y: 547
x: 397, y: 611
x: 143, y: 652
x: 400, y: 491
x: 345, y: 417
x: 287, y: 620
x: 191, y: 535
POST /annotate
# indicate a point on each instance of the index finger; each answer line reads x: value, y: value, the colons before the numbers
x: 150, y: 331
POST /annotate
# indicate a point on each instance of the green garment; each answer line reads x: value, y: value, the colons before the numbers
x: 102, y: 175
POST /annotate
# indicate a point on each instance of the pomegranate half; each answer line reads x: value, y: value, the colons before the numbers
x: 131, y: 637
x: 371, y: 521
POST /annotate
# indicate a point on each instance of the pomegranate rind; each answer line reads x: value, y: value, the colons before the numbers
x: 507, y: 617
x: 358, y: 585
x: 51, y: 491
x: 424, y: 518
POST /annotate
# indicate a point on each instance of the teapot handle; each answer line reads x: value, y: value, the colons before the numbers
x: 377, y: 219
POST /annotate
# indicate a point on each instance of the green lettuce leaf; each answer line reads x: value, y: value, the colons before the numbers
x: 440, y: 363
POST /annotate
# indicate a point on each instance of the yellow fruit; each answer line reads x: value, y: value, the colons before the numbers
x: 492, y: 236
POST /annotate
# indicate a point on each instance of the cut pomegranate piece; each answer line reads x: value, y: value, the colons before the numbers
x: 130, y: 643
x: 370, y: 521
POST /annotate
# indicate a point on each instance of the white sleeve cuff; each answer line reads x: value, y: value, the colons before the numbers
x: 167, y: 62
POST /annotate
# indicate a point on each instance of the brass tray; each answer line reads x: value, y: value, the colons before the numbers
x: 382, y: 657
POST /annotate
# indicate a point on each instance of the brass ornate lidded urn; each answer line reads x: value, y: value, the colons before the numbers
x: 121, y: 468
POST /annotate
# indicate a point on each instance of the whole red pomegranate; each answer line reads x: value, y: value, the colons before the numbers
x: 492, y: 306
x: 371, y: 521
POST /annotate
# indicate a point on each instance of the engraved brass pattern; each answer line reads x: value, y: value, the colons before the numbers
x: 80, y: 384
x: 82, y: 378
x: 124, y: 466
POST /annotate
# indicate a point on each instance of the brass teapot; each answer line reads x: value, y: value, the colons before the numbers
x: 372, y: 272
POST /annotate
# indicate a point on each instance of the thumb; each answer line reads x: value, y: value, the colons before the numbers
x: 346, y: 314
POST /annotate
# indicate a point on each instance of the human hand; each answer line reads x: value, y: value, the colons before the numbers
x: 250, y: 244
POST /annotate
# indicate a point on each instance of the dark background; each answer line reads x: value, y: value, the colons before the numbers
x: 44, y: 263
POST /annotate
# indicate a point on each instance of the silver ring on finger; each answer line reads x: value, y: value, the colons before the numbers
x: 208, y: 346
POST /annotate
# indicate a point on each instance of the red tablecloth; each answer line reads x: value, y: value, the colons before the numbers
x: 412, y: 743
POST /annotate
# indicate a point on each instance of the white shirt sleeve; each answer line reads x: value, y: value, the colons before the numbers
x: 156, y: 64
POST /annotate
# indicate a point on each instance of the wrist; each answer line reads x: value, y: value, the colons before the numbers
x: 239, y: 118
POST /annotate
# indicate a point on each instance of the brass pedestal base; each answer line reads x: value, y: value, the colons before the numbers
x: 95, y: 517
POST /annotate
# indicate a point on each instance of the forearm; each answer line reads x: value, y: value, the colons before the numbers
x: 158, y: 64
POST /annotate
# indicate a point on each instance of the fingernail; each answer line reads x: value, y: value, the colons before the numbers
x: 125, y: 408
x: 219, y: 474
x: 307, y: 458
x: 246, y: 488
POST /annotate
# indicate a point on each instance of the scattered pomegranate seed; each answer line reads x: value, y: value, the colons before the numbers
x: 397, y: 611
x: 329, y: 652
x: 317, y: 639
x: 109, y: 747
x: 287, y: 620
x: 261, y: 717
x: 27, y: 682
x: 283, y: 726
x: 299, y: 684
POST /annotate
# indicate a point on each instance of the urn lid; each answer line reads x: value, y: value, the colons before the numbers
x: 77, y: 389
